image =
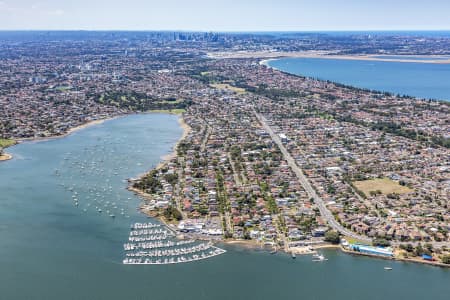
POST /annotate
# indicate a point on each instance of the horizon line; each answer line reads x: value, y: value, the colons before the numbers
x: 227, y: 31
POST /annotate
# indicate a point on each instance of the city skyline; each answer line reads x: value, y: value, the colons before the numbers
x: 201, y: 15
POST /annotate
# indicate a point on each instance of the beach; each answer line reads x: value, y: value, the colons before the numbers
x: 5, y: 156
x: 88, y: 124
x: 186, y: 130
x: 164, y: 160
x: 172, y: 155
x: 70, y: 131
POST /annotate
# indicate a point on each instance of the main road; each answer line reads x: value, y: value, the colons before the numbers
x: 307, y: 186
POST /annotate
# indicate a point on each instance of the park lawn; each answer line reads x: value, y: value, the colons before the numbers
x: 171, y: 102
x: 384, y: 185
x: 6, y: 143
x: 177, y: 111
x: 354, y: 241
x: 63, y: 88
x: 226, y: 86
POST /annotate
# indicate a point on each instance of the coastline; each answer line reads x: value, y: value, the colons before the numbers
x: 164, y: 159
x: 308, y: 250
x: 168, y: 157
x: 5, y: 143
x: 266, y: 62
x: 267, y: 56
x: 400, y: 259
x: 5, y: 157
x: 253, y: 244
x: 86, y: 125
x: 70, y: 131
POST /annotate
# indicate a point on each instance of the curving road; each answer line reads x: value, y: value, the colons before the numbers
x: 307, y: 186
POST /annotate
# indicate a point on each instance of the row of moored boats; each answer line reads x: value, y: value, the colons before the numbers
x: 150, y: 243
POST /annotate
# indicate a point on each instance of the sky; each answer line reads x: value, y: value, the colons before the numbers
x: 225, y: 15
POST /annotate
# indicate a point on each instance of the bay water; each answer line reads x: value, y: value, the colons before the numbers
x: 50, y: 248
x: 422, y: 80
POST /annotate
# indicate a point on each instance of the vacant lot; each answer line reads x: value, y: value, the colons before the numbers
x: 384, y: 185
x: 226, y: 86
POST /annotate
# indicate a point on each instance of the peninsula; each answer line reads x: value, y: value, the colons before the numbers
x: 270, y: 158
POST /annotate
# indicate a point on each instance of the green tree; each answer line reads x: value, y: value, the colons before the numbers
x: 419, y: 250
x: 171, y: 213
x: 332, y: 237
x: 381, y: 242
x: 409, y: 248
x: 446, y: 259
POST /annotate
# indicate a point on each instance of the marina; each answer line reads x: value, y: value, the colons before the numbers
x: 162, y: 249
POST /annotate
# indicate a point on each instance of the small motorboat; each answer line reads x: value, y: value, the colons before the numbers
x: 319, y: 257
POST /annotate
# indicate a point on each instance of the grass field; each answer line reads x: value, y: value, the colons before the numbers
x: 6, y: 143
x: 169, y: 111
x: 171, y: 102
x: 226, y: 86
x: 384, y: 185
x: 63, y: 88
x: 354, y: 241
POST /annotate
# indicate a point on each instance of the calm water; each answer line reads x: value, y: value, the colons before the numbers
x: 414, y: 79
x: 51, y: 249
x: 412, y: 57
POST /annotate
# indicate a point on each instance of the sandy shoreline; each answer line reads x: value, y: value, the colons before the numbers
x: 168, y: 157
x: 267, y: 56
x: 247, y: 244
x: 164, y: 159
x: 70, y: 131
x: 86, y: 125
x: 5, y: 157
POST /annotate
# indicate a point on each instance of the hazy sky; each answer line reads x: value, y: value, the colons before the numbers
x: 221, y: 15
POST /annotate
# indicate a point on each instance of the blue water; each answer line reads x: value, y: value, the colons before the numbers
x: 52, y: 250
x: 412, y: 57
x: 415, y: 79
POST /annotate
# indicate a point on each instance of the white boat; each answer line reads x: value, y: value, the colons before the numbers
x: 388, y: 268
x: 319, y: 257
